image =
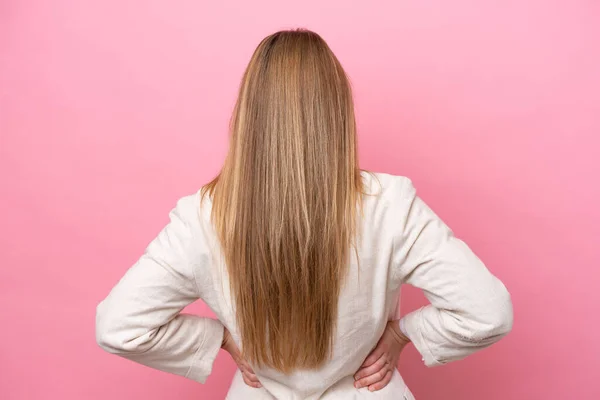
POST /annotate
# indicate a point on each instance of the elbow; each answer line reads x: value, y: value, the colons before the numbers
x: 104, y: 336
x: 502, y: 312
x: 107, y: 343
x: 122, y: 334
x: 108, y: 333
x: 484, y: 322
x: 496, y: 320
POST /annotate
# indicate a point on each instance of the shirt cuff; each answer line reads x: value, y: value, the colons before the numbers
x: 413, y: 327
x: 207, y: 351
x: 403, y: 328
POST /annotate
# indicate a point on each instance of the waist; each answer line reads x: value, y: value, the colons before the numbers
x: 342, y: 389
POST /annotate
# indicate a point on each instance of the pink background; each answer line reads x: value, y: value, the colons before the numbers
x: 111, y: 110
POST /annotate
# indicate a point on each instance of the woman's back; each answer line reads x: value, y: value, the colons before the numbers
x: 400, y: 241
x: 368, y: 300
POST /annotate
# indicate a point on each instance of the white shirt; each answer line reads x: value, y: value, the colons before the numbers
x: 401, y: 241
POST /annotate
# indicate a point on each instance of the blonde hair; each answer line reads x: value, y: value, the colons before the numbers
x: 285, y: 203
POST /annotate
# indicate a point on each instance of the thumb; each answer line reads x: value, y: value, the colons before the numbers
x: 374, y: 355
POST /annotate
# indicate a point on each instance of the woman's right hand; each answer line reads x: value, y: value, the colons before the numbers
x: 247, y: 373
x: 378, y: 368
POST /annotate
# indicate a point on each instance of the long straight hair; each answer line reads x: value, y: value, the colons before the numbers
x: 285, y: 203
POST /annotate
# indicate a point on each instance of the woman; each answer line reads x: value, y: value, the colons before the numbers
x: 301, y: 255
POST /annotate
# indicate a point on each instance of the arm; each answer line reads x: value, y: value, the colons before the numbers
x: 470, y: 308
x: 140, y: 319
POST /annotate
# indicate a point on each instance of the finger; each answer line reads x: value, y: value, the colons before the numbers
x: 371, y: 369
x: 382, y: 383
x: 373, y: 378
x: 251, y: 376
x: 251, y: 383
x: 246, y: 366
x: 373, y: 356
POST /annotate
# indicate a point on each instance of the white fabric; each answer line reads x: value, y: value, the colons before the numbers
x: 401, y: 241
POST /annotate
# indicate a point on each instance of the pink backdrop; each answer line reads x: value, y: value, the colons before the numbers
x: 111, y: 110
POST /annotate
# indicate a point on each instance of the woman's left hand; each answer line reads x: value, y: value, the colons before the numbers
x: 248, y: 374
x: 378, y: 368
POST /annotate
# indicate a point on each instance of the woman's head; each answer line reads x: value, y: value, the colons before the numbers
x: 286, y: 200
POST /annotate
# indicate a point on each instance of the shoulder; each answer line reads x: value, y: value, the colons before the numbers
x: 187, y: 230
x: 392, y: 188
x: 189, y: 214
x: 187, y: 208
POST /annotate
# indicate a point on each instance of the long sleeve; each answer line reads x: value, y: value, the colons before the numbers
x: 469, y: 308
x: 140, y: 319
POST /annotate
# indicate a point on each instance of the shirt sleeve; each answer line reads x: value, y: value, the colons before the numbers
x: 469, y: 308
x: 141, y: 318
